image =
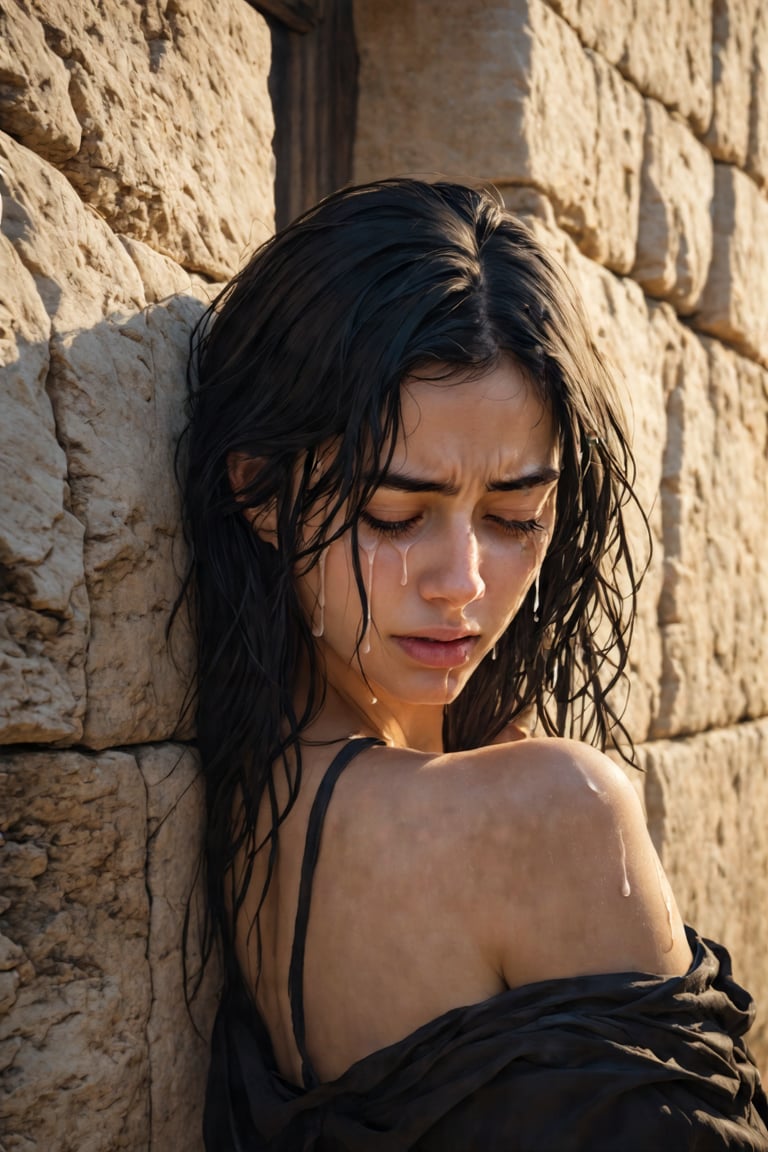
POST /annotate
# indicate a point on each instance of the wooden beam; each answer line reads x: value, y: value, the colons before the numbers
x: 298, y: 15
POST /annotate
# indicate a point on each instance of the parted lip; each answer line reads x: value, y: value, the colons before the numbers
x: 441, y: 635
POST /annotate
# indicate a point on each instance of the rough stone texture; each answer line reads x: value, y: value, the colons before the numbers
x: 733, y: 303
x: 707, y: 800
x: 738, y: 132
x: 175, y: 118
x: 75, y: 972
x: 44, y: 611
x: 526, y: 105
x: 116, y: 382
x: 713, y: 611
x: 34, y: 88
x: 664, y: 47
x: 674, y: 242
x: 757, y: 155
x: 178, y: 1054
x: 624, y: 331
x: 620, y: 322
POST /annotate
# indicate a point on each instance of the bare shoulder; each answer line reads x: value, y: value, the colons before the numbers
x: 567, y: 878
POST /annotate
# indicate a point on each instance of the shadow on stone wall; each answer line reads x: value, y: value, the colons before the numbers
x: 102, y: 847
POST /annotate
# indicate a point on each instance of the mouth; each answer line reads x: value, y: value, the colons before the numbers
x: 446, y: 650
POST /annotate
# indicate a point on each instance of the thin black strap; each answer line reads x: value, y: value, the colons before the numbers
x: 311, y: 849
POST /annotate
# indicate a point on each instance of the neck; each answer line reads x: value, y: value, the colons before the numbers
x: 350, y: 706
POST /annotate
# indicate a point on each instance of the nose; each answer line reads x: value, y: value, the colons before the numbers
x: 453, y: 573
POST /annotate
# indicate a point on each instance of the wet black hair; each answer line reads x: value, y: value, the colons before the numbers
x: 308, y: 346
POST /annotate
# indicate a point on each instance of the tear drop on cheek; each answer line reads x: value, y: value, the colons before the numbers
x: 318, y: 624
x: 625, y: 888
x: 402, y: 548
x: 370, y: 547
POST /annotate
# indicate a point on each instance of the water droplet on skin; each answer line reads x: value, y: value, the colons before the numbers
x: 318, y: 626
x: 536, y: 603
x: 589, y: 781
x: 625, y: 888
x: 370, y: 547
x: 402, y: 547
x: 666, y: 897
x: 374, y: 699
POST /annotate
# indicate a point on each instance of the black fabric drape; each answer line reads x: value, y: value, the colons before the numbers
x: 622, y: 1062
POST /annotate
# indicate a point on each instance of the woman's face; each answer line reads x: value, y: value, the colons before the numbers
x: 450, y: 543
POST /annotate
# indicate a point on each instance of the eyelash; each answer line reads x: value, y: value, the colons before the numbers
x: 394, y: 528
x: 390, y: 527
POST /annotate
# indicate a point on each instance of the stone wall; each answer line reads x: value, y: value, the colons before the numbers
x: 136, y: 175
x: 635, y: 139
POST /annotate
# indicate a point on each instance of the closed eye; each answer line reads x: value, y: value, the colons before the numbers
x: 390, y: 527
x: 518, y: 527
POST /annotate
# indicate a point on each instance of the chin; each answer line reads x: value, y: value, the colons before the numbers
x: 444, y: 689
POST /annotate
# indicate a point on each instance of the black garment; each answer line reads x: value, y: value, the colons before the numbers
x: 625, y: 1062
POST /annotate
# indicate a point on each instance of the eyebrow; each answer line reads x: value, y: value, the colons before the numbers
x: 404, y: 483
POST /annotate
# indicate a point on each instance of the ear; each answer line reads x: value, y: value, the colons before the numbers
x: 242, y: 470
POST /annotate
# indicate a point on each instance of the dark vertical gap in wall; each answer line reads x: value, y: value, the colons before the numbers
x: 313, y: 86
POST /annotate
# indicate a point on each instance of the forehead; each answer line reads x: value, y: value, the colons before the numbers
x: 454, y: 421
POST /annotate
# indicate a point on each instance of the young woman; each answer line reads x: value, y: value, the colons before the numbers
x: 407, y: 475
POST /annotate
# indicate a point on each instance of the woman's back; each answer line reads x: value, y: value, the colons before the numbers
x: 409, y: 1049
x: 443, y: 880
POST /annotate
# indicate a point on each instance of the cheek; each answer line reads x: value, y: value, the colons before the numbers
x: 329, y: 593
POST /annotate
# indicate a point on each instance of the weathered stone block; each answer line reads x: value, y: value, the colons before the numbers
x: 44, y: 612
x: 738, y: 132
x: 707, y: 800
x: 176, y: 122
x: 34, y: 88
x: 526, y: 105
x: 732, y: 306
x: 662, y: 46
x: 178, y: 1053
x: 674, y: 242
x: 713, y: 613
x: 163, y: 278
x: 116, y: 380
x: 73, y: 1042
x: 624, y: 334
x: 757, y: 153
x: 620, y: 321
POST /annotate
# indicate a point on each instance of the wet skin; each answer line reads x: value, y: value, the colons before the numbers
x: 444, y: 879
x: 450, y: 544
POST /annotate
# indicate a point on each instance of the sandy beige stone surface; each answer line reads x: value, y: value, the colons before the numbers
x: 44, y: 612
x: 738, y: 131
x: 707, y: 800
x: 526, y: 104
x: 619, y: 318
x: 732, y: 306
x: 177, y: 1036
x: 713, y: 612
x: 158, y: 114
x: 674, y: 242
x: 664, y: 47
x: 75, y: 974
x: 35, y: 106
x: 114, y: 371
